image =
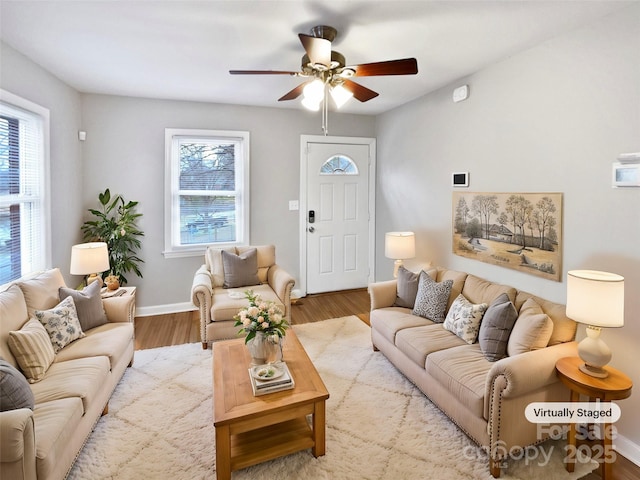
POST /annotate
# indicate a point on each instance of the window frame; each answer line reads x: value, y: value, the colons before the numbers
x: 41, y: 252
x: 172, y: 246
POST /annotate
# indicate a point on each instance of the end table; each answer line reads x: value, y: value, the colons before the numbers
x: 616, y: 386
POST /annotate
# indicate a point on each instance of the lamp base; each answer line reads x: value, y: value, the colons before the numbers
x: 592, y: 371
x: 396, y: 265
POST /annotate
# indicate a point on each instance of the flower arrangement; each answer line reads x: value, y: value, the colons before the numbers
x: 260, y: 316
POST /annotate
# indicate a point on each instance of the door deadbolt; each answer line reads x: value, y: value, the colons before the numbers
x: 312, y: 229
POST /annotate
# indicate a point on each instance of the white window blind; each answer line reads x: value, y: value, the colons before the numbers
x: 207, y: 190
x: 24, y: 244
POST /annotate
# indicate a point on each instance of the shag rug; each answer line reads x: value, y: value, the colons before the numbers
x: 379, y: 426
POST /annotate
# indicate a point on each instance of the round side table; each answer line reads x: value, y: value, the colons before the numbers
x: 616, y: 386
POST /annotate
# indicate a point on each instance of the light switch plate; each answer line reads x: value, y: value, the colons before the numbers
x: 294, y: 205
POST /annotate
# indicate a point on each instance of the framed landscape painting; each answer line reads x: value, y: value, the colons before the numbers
x: 521, y: 231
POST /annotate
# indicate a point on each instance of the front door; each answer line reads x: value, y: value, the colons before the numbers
x: 338, y: 217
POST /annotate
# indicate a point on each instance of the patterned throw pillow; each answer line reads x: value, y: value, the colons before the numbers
x: 496, y: 327
x: 432, y: 298
x: 61, y: 323
x: 33, y: 350
x: 464, y: 318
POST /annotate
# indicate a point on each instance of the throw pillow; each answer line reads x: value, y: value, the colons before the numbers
x: 32, y: 349
x: 496, y: 327
x: 240, y: 270
x: 464, y: 318
x: 407, y: 288
x: 14, y: 389
x: 532, y: 330
x: 431, y: 299
x: 61, y: 323
x: 88, y: 304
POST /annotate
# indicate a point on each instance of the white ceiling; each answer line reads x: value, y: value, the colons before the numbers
x: 184, y: 49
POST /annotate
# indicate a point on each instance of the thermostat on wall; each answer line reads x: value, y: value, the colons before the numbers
x: 460, y: 179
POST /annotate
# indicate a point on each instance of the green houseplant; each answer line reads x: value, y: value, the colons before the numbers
x: 116, y: 225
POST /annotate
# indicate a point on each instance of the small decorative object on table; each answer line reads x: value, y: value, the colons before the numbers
x: 265, y: 328
x: 112, y: 282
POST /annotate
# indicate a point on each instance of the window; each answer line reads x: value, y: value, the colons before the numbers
x: 207, y: 190
x: 24, y: 202
x: 339, y: 165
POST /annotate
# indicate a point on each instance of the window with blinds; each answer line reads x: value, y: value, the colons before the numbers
x: 207, y: 194
x: 23, y: 177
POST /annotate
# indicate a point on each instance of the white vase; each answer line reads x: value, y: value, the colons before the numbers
x: 265, y: 349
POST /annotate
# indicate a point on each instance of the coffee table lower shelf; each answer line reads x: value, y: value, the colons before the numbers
x: 267, y: 443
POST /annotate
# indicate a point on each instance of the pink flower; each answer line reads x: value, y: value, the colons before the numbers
x: 265, y: 325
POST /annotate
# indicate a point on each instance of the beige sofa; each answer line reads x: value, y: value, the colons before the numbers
x: 486, y: 399
x: 218, y: 305
x: 73, y: 393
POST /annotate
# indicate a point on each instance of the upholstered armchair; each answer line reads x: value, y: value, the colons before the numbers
x: 219, y: 285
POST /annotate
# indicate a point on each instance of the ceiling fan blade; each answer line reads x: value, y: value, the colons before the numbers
x: 318, y: 49
x: 359, y: 92
x: 293, y: 94
x: 405, y: 66
x: 262, y: 72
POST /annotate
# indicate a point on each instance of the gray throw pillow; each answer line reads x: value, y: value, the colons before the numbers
x: 240, y: 270
x: 496, y: 326
x: 88, y: 304
x: 14, y: 389
x: 407, y: 288
x: 432, y: 298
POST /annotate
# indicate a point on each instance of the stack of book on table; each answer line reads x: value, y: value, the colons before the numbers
x: 270, y: 378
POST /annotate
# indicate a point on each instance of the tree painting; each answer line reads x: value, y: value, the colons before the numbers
x: 515, y: 230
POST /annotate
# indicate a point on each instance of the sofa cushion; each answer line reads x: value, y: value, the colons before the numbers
x: 41, y: 290
x: 88, y: 304
x: 464, y: 317
x: 83, y: 378
x: 110, y: 340
x: 407, y: 288
x: 390, y: 320
x: 225, y: 307
x: 61, y: 323
x: 240, y: 270
x: 14, y: 389
x: 419, y: 342
x: 432, y: 298
x: 564, y: 329
x: 531, y: 331
x: 56, y: 423
x: 13, y: 312
x: 31, y: 347
x: 479, y: 290
x: 462, y: 371
x: 496, y: 327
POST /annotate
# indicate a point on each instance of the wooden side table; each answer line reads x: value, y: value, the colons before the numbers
x: 616, y: 386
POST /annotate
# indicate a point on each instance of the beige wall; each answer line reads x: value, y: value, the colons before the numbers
x: 551, y: 119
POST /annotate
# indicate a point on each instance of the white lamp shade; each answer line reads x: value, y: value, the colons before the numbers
x: 595, y: 298
x: 87, y: 258
x: 399, y: 245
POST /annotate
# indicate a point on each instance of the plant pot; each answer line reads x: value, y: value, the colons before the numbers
x: 265, y: 349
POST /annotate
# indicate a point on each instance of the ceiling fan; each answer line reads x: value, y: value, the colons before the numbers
x: 326, y: 70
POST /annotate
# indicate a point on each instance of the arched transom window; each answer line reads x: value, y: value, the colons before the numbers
x: 339, y: 165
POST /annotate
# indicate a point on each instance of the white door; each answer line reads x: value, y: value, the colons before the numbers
x: 337, y: 216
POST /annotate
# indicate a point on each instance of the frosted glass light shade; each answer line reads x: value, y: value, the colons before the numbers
x: 340, y: 95
x: 87, y: 258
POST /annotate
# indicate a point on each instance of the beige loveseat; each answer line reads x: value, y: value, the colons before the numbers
x: 218, y: 304
x: 73, y: 392
x: 486, y: 399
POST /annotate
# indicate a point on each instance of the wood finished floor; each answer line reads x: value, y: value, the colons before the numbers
x: 178, y: 328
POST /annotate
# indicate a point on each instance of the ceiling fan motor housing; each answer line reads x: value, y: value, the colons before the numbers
x: 324, y: 31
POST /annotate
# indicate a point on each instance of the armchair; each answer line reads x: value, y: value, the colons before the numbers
x: 218, y: 305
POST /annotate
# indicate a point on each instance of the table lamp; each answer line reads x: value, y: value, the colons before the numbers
x: 597, y: 300
x: 89, y: 259
x: 399, y: 246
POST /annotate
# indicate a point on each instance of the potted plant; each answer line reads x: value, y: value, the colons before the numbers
x: 116, y: 225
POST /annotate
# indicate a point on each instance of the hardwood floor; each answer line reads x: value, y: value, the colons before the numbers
x: 178, y: 328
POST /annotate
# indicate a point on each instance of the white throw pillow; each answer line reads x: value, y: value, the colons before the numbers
x: 464, y: 318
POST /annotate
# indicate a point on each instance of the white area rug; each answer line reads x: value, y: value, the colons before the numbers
x: 379, y: 426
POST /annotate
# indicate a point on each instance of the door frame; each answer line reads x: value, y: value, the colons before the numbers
x: 306, y: 139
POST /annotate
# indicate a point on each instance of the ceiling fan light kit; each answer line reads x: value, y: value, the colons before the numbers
x: 329, y: 76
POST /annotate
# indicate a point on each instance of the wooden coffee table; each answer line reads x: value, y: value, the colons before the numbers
x: 251, y: 430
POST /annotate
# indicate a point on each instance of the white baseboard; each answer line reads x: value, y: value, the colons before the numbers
x: 628, y: 449
x: 164, y: 309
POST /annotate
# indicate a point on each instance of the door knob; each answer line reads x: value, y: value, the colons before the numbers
x: 311, y: 229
